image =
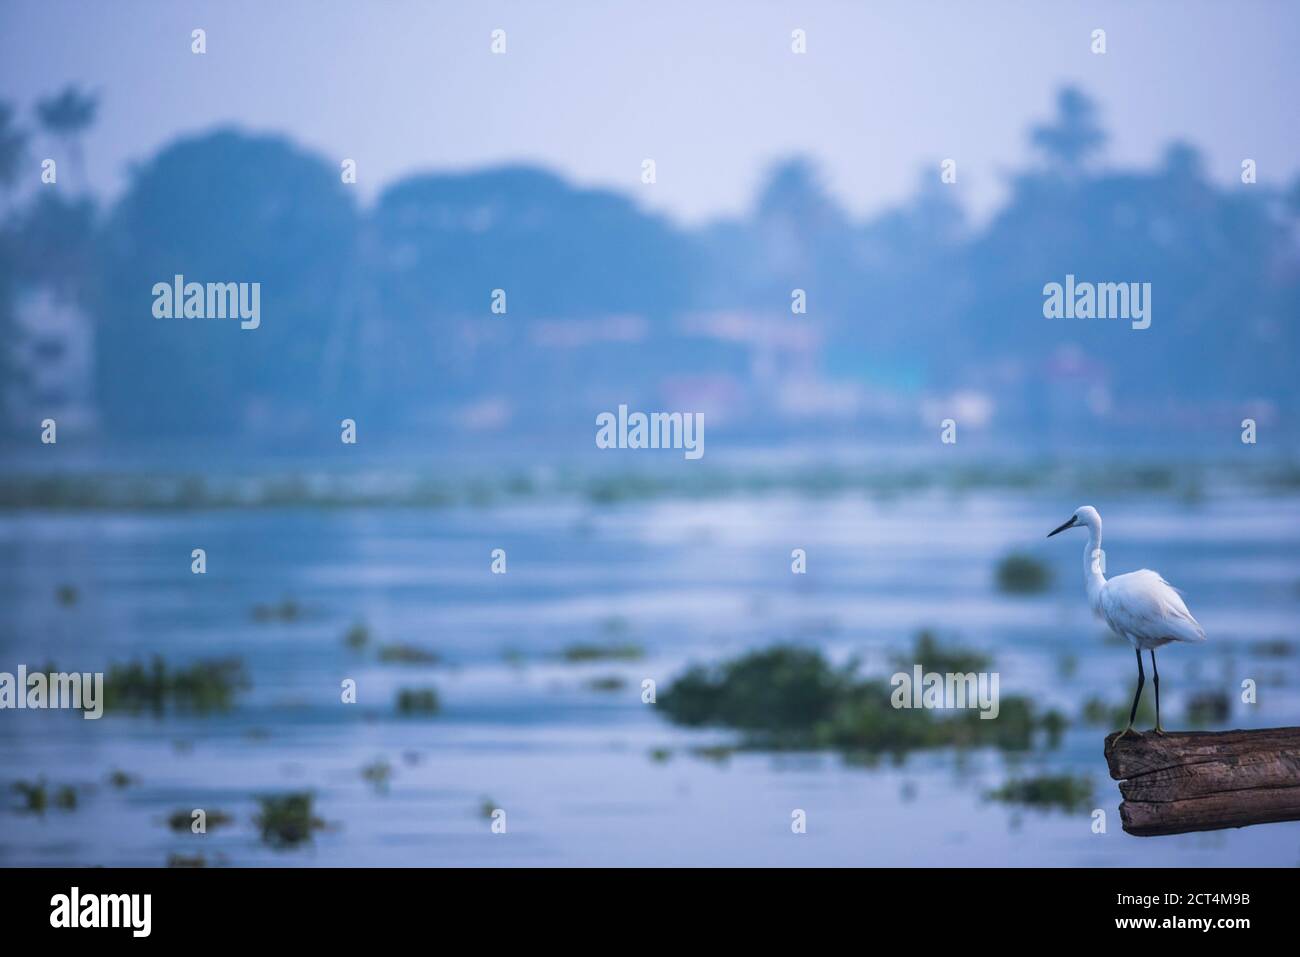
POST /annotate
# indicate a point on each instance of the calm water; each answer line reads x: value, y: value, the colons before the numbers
x: 571, y: 766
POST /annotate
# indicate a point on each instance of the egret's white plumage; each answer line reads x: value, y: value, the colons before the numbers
x: 1140, y: 606
x: 1147, y: 610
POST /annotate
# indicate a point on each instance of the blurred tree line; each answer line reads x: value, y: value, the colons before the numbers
x: 385, y: 311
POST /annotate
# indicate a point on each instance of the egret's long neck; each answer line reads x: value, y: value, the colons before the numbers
x: 1092, y: 564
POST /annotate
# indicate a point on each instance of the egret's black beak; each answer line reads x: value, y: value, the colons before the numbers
x: 1070, y: 524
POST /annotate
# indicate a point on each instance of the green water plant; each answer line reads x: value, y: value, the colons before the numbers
x: 119, y: 779
x: 1208, y: 707
x: 37, y: 797
x: 932, y: 656
x: 203, y: 686
x: 287, y: 820
x: 1064, y: 792
x: 285, y: 610
x: 357, y: 636
x: 418, y: 701
x: 403, y: 654
x: 378, y: 772
x: 791, y: 697
x: 1021, y: 574
x: 582, y: 652
x: 182, y: 821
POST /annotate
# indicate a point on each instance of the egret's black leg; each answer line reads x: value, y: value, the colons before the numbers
x: 1142, y: 679
x: 1155, y: 680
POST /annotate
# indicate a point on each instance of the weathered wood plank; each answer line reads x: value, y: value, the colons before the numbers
x: 1205, y: 780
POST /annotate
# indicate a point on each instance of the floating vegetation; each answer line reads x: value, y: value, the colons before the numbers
x: 624, y: 488
x: 411, y: 701
x: 120, y: 779
x: 357, y: 637
x: 606, y: 683
x: 203, y: 686
x: 287, y: 820
x: 408, y: 655
x: 1102, y: 714
x: 777, y: 690
x: 717, y: 753
x: 931, y: 656
x: 661, y: 755
x: 1063, y: 792
x: 514, y: 657
x: 285, y: 610
x: 66, y: 595
x: 487, y: 807
x: 1054, y: 724
x: 37, y: 799
x: 1208, y: 707
x: 1020, y: 574
x: 34, y: 795
x: 788, y: 697
x: 614, y: 651
x: 378, y: 773
x: 186, y: 860
x: 423, y: 488
x: 1273, y: 648
x: 182, y: 821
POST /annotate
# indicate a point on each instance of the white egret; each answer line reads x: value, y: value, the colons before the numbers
x: 1140, y: 606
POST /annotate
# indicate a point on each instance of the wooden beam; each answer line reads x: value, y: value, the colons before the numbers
x: 1205, y: 780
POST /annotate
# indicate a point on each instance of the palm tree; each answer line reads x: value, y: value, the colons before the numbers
x: 66, y: 115
x: 1074, y: 136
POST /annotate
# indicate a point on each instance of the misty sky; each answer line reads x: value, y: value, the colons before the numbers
x: 709, y: 88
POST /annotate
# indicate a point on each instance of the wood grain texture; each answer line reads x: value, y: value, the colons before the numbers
x: 1205, y: 780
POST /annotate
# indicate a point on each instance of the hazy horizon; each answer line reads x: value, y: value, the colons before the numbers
x: 590, y: 91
